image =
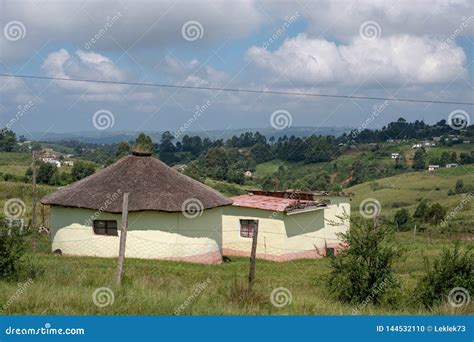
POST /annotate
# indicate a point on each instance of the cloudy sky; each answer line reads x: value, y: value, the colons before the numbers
x: 405, y: 49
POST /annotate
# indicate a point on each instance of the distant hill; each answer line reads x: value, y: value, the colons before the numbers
x: 108, y: 137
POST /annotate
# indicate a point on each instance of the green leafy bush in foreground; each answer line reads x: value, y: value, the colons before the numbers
x: 363, y: 273
x: 12, y: 248
x: 453, y: 269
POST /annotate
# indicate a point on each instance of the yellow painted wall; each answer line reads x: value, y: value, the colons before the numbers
x: 271, y: 230
x: 208, y: 224
x: 280, y: 233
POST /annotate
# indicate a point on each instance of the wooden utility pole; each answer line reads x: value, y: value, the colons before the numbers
x: 376, y: 221
x: 123, y: 240
x: 253, y: 254
x: 33, y: 209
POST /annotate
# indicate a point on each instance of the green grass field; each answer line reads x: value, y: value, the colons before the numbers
x: 407, y: 190
x: 14, y: 163
x: 161, y: 287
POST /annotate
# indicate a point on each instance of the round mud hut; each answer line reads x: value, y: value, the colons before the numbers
x: 170, y: 216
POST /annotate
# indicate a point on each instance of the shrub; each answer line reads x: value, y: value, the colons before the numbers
x: 401, y: 219
x: 12, y: 248
x: 363, y: 272
x: 437, y: 213
x: 454, y: 268
x: 422, y: 212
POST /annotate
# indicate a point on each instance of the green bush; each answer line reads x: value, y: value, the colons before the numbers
x: 402, y: 219
x: 363, y: 272
x: 12, y: 248
x: 454, y: 268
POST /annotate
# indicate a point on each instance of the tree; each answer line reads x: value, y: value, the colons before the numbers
x: 437, y: 213
x: 216, y: 163
x: 400, y: 161
x: 7, y: 140
x: 123, y: 149
x: 143, y: 143
x: 81, y: 170
x: 167, y: 148
x: 445, y: 158
x: 419, y: 160
x: 459, y: 188
x: 422, y: 212
x: 364, y: 270
x: 453, y: 269
x: 261, y: 153
x: 46, y: 173
x: 12, y: 248
x: 235, y: 175
x: 402, y: 217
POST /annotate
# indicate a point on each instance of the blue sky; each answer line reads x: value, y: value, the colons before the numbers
x: 408, y: 49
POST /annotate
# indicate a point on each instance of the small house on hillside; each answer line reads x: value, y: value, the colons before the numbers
x: 248, y: 173
x: 450, y: 165
x: 433, y: 167
x: 174, y: 217
x: 395, y: 155
x: 171, y: 216
x: 291, y: 225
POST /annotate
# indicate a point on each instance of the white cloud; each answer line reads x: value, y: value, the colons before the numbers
x: 84, y: 65
x: 400, y: 59
x: 141, y: 24
x: 342, y: 19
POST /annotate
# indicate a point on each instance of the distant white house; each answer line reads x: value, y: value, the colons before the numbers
x: 248, y: 173
x: 52, y: 161
x: 433, y: 167
x: 450, y: 165
x: 395, y: 155
x: 437, y: 139
x: 416, y: 146
x: 68, y: 163
x: 466, y: 141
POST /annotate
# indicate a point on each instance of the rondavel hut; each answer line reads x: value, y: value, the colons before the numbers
x: 171, y: 216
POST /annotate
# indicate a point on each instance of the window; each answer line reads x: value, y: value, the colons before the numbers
x: 247, y: 228
x: 102, y: 227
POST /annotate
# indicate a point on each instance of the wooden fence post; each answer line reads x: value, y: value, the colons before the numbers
x: 253, y: 254
x: 33, y: 209
x: 123, y: 240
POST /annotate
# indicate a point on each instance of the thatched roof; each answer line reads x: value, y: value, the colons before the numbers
x: 152, y: 185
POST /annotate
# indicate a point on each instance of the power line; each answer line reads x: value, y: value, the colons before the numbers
x: 252, y: 91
